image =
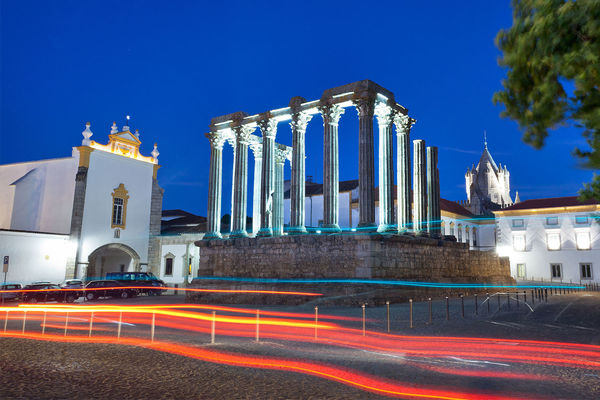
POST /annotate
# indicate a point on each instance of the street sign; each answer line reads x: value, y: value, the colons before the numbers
x: 5, y: 265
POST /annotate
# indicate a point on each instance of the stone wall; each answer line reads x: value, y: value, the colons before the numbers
x: 362, y: 256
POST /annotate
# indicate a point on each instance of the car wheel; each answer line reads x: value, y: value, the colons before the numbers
x: 70, y: 298
x: 90, y: 296
x: 124, y: 294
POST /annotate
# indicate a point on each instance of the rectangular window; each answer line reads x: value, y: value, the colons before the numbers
x: 583, y: 240
x: 474, y: 237
x: 521, y: 271
x: 552, y: 221
x: 519, y: 242
x: 117, y: 216
x: 467, y: 239
x: 518, y: 223
x: 581, y: 219
x: 556, y: 271
x: 169, y: 266
x: 460, y: 233
x: 586, y: 270
x: 553, y: 241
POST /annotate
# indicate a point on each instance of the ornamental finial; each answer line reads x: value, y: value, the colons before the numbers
x: 126, y: 126
x: 155, y: 152
x: 87, y: 134
x: 113, y: 129
x: 137, y: 133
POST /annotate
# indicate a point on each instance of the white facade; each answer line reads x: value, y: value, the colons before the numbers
x: 555, y: 244
x: 183, y: 255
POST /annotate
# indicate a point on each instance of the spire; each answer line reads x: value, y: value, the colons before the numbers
x: 517, y: 198
x: 484, y: 138
x: 87, y: 134
x: 113, y: 129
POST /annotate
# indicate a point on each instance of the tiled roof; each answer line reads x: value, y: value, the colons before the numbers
x: 453, y: 207
x: 551, y: 202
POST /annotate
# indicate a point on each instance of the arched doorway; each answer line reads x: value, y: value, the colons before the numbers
x: 112, y: 257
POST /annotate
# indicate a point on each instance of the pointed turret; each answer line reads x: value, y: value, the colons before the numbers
x: 517, y: 198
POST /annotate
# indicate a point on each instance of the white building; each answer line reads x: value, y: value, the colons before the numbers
x: 81, y: 216
x: 555, y: 239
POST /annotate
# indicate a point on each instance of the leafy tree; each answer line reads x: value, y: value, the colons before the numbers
x: 553, y: 43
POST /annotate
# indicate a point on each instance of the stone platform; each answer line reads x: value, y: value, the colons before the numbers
x: 347, y: 256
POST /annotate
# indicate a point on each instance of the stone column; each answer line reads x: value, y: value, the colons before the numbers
x: 433, y: 193
x: 257, y: 151
x: 419, y: 188
x: 231, y: 142
x: 268, y: 128
x: 298, y: 186
x: 214, y: 185
x: 280, y: 156
x: 366, y: 170
x: 404, y: 215
x: 386, y: 167
x: 240, y: 172
x: 331, y: 175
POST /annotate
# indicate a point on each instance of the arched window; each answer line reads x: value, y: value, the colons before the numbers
x: 467, y: 236
x: 119, y: 207
x: 474, y: 236
x: 169, y: 257
x: 443, y: 228
x: 459, y: 238
x: 451, y: 228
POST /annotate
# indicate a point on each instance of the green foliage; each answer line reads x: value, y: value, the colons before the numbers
x: 553, y: 42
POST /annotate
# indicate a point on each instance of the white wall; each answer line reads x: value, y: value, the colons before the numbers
x: 106, y: 172
x: 176, y: 246
x: 537, y: 258
x: 34, y: 256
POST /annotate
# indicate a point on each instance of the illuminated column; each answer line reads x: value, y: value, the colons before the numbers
x: 214, y: 185
x: 403, y: 217
x: 231, y: 141
x: 366, y: 169
x: 433, y: 192
x: 297, y: 190
x: 257, y: 151
x: 280, y: 157
x: 386, y: 167
x: 331, y: 175
x: 419, y: 187
x: 240, y: 172
x: 268, y: 128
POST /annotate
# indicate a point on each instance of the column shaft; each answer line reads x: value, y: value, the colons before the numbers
x: 331, y: 115
x: 240, y: 190
x: 419, y: 187
x: 214, y: 186
x: 268, y: 129
x: 386, y: 168
x: 403, y: 189
x: 278, y: 194
x: 298, y: 188
x: 257, y: 151
x: 366, y: 168
x: 433, y: 193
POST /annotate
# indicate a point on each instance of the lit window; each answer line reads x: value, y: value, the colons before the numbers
x: 556, y: 270
x: 552, y: 221
x: 519, y: 242
x: 583, y: 241
x: 521, y: 271
x: 117, y: 217
x: 553, y: 241
x: 459, y: 233
x: 586, y: 270
x: 518, y: 223
x: 581, y: 219
x: 119, y: 208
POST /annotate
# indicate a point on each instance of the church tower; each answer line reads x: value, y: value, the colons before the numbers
x: 487, y: 185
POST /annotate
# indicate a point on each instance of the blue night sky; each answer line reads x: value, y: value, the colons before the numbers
x: 174, y: 65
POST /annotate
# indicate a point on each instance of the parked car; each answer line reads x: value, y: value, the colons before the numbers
x: 14, y: 291
x: 146, y: 279
x: 47, y: 292
x: 108, y: 288
x: 73, y: 284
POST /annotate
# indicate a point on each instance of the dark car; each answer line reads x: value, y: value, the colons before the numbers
x: 108, y: 288
x: 73, y: 284
x: 10, y: 291
x: 47, y: 292
x: 147, y: 280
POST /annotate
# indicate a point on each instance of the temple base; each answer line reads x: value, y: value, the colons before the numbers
x: 297, y: 230
x: 212, y: 236
x: 331, y: 228
x: 238, y: 234
x: 264, y: 232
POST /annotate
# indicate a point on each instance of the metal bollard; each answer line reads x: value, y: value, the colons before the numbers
x: 153, y: 327
x: 387, y: 304
x: 66, y: 323
x: 363, y: 319
x: 476, y: 305
x: 24, y: 319
x: 447, y: 309
x: 257, y: 325
x: 44, y: 323
x: 212, y: 327
x: 410, y: 306
x: 317, y: 321
x: 119, y: 327
x: 462, y: 305
x: 91, y: 324
x: 5, y: 321
x: 430, y: 311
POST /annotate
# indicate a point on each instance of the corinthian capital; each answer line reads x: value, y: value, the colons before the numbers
x: 256, y: 147
x: 268, y: 127
x: 365, y: 106
x: 403, y: 123
x: 331, y: 114
x: 384, y: 114
x: 216, y: 140
x: 280, y: 155
x: 243, y: 133
x: 300, y: 121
